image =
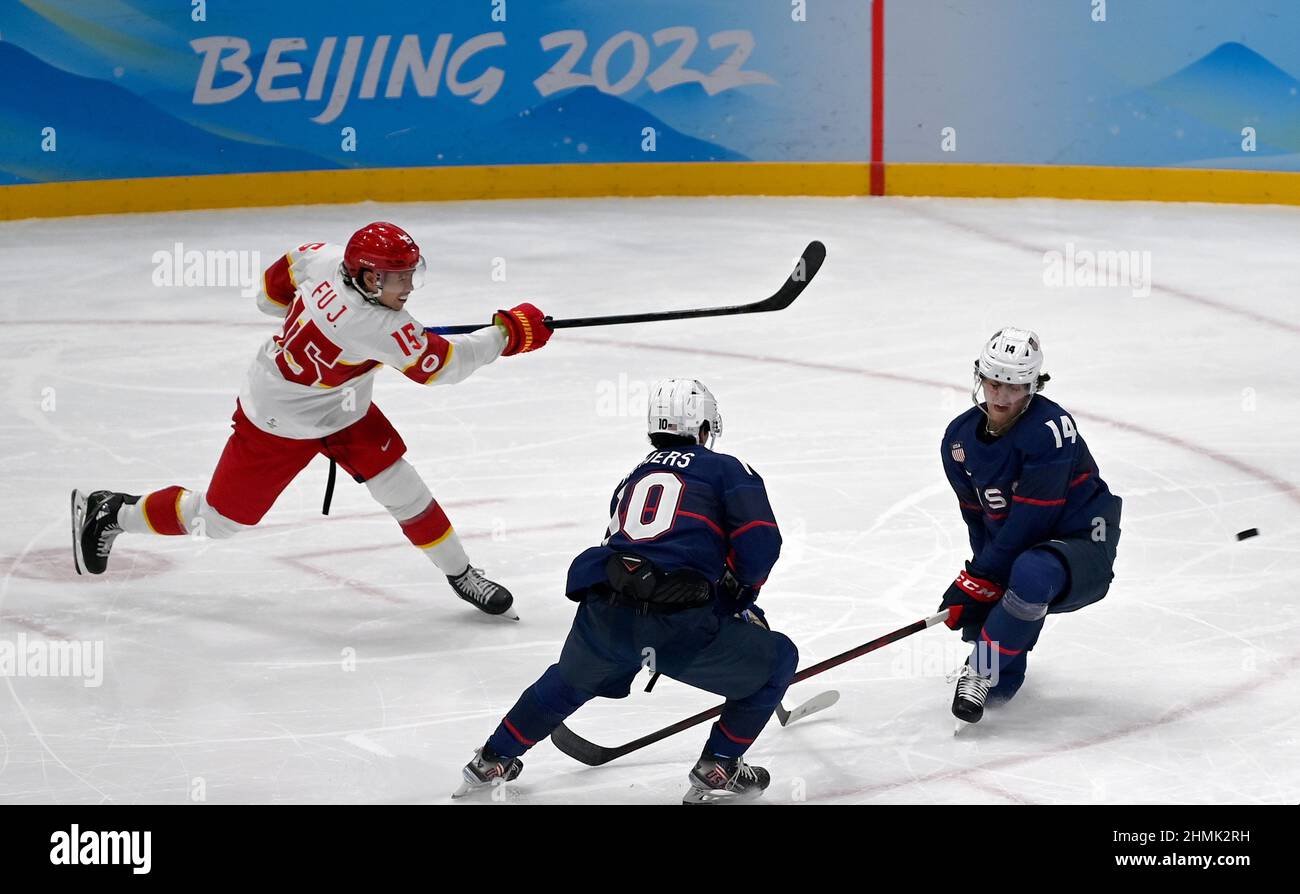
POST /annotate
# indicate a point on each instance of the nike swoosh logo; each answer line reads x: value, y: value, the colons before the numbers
x: 386, y: 443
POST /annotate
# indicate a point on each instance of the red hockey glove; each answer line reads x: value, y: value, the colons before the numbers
x: 969, y: 591
x: 524, y: 329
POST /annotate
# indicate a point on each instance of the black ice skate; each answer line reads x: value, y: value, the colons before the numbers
x: 487, y: 769
x: 972, y: 689
x: 485, y: 595
x: 724, y: 780
x: 95, y: 527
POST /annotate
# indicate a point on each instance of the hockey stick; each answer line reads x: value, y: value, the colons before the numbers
x: 812, y: 706
x: 804, y: 271
x: 594, y: 755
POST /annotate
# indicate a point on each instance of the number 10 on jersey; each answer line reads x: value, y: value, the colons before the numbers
x: 658, y: 495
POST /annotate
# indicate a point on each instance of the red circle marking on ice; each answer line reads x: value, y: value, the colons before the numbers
x: 56, y: 564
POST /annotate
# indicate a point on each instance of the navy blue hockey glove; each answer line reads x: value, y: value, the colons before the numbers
x: 755, y: 615
x: 733, y: 596
x: 969, y: 599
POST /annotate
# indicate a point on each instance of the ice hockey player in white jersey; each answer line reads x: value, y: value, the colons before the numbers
x: 308, y: 392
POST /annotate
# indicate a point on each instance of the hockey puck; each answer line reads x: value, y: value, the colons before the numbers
x: 1249, y: 532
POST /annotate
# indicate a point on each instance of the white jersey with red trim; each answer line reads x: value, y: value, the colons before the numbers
x: 316, y: 376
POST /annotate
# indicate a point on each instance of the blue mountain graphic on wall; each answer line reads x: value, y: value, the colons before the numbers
x: 1197, y: 114
x: 102, y: 130
x: 583, y: 125
x: 739, y: 118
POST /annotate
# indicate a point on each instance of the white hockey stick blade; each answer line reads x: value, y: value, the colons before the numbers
x: 812, y: 706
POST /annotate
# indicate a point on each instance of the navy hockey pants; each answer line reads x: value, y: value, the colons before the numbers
x: 609, y: 644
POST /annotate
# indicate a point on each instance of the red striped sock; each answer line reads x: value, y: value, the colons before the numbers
x: 429, y: 528
x: 162, y: 511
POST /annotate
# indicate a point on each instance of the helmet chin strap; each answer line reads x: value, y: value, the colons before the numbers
x: 713, y: 436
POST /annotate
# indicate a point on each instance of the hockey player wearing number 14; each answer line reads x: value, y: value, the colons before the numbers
x: 691, y: 540
x: 1043, y: 525
x: 308, y: 391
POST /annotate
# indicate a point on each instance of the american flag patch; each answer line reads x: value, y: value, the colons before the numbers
x: 958, y: 452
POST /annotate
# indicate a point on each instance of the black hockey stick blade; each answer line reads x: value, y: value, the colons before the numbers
x: 593, y: 755
x: 804, y: 270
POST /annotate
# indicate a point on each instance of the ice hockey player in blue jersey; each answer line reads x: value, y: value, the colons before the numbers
x: 1043, y: 525
x: 691, y: 541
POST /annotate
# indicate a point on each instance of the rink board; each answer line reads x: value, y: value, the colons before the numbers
x: 640, y: 180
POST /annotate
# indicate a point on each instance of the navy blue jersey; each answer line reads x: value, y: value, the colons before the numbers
x: 1034, y: 483
x: 688, y: 509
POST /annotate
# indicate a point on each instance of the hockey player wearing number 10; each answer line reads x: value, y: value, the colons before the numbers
x: 308, y: 391
x: 691, y: 540
x: 1043, y: 525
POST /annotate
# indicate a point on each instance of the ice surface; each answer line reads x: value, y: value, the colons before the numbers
x: 225, y: 664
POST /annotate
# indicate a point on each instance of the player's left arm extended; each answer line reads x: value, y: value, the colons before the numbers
x: 1036, y: 506
x: 448, y: 359
x: 469, y: 353
x: 427, y: 358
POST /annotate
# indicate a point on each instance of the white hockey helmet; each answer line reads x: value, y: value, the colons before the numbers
x: 1013, y: 356
x: 681, y: 407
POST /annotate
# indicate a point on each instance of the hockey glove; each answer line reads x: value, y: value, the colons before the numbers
x: 734, y: 596
x: 755, y: 615
x: 524, y: 328
x: 969, y: 598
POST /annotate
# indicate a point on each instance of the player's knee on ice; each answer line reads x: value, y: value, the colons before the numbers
x: 1037, y: 577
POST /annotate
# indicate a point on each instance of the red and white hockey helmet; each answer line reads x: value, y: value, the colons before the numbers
x: 681, y: 407
x: 386, y: 249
